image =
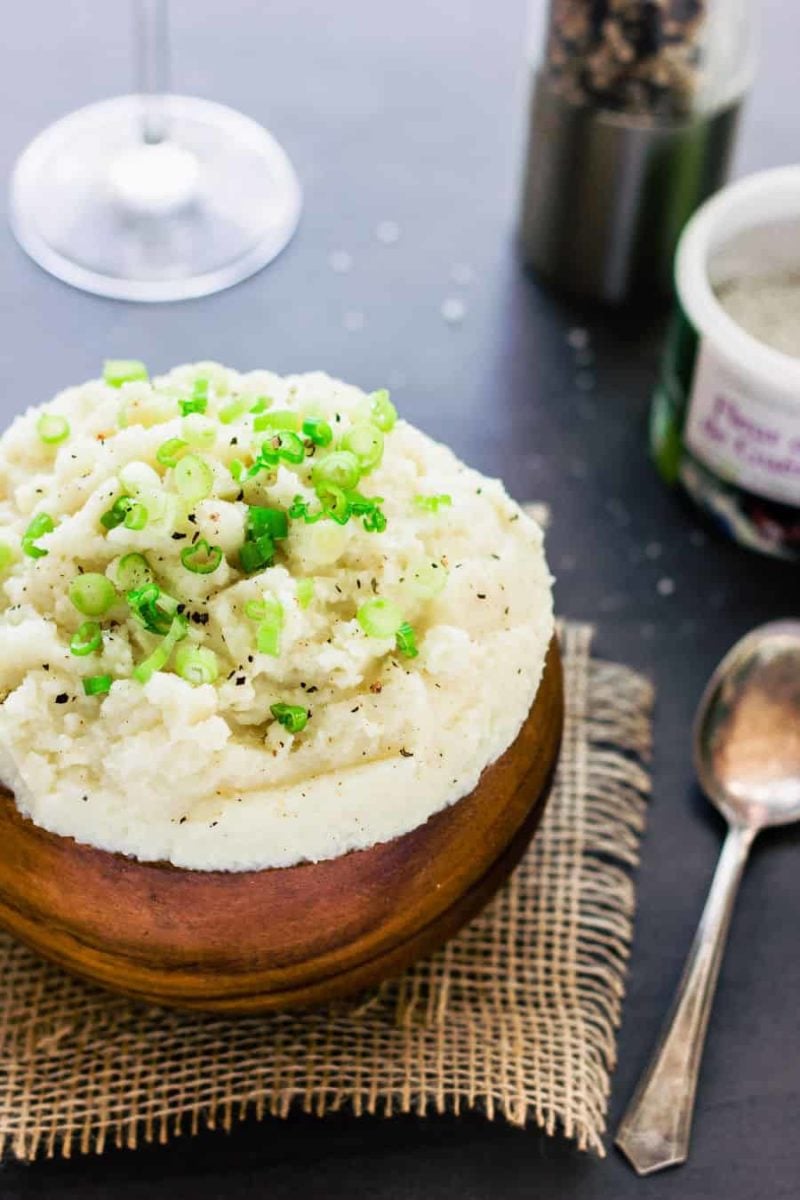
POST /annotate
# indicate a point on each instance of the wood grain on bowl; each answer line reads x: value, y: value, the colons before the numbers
x: 254, y: 941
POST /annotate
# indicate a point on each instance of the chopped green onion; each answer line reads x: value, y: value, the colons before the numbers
x: 201, y: 559
x: 193, y: 478
x: 196, y: 664
x: 305, y: 592
x: 261, y: 405
x: 41, y: 524
x: 231, y: 412
x: 334, y: 502
x: 433, y: 503
x: 379, y: 618
x: 6, y: 556
x: 199, y: 430
x: 160, y: 656
x: 428, y: 579
x: 136, y: 516
x: 238, y: 470
x: 281, y: 418
x: 290, y: 448
x: 273, y: 521
x: 116, y: 515
x: 256, y: 610
x: 318, y: 431
x: 91, y: 593
x: 97, y: 685
x: 169, y: 452
x: 198, y: 402
x: 369, y: 507
x: 339, y: 468
x: 299, y: 510
x: 365, y: 441
x: 152, y: 608
x: 133, y: 571
x: 290, y: 716
x: 268, y: 634
x: 87, y: 638
x: 52, y: 429
x: 257, y: 554
x: 383, y: 412
x: 406, y: 641
x: 117, y: 371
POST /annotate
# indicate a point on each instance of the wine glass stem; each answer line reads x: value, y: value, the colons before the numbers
x: 152, y: 55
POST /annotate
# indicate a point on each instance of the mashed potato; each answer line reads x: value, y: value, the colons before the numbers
x: 248, y: 621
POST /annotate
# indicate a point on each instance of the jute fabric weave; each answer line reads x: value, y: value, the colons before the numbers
x: 516, y: 1017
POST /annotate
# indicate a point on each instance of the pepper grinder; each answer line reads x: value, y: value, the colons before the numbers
x: 633, y: 120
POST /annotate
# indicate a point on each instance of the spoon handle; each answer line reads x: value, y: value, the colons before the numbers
x: 656, y: 1128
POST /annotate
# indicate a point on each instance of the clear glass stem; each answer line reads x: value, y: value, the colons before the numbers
x: 151, y: 28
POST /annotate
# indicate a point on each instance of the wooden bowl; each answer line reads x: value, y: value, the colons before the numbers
x: 254, y: 941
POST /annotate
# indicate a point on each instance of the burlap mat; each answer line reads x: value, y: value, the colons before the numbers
x: 516, y: 1016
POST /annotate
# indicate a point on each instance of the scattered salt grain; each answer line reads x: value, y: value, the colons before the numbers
x: 387, y: 232
x: 665, y: 586
x: 340, y: 261
x: 653, y: 550
x: 453, y: 310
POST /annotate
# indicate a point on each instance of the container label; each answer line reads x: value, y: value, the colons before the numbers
x: 747, y: 433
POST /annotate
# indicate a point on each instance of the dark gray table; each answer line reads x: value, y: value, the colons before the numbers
x: 412, y: 113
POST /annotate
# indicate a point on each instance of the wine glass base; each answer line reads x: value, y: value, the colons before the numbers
x: 95, y: 206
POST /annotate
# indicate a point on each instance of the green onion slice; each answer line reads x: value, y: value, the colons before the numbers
x: 379, y: 618
x: 92, y: 594
x: 280, y: 418
x: 97, y: 685
x: 87, y: 638
x: 136, y: 516
x: 433, y: 503
x: 339, y: 468
x: 116, y: 515
x: 318, y: 431
x: 268, y: 634
x: 170, y: 451
x: 406, y: 641
x: 133, y: 571
x: 257, y: 554
x: 201, y: 559
x: 365, y: 441
x: 428, y: 579
x: 41, y: 524
x: 383, y: 412
x: 52, y: 429
x: 199, y: 431
x: 117, y: 371
x: 193, y: 478
x: 305, y: 592
x: 290, y: 716
x: 196, y: 664
x: 161, y: 655
x: 334, y: 502
x: 233, y: 411
x: 273, y: 521
x: 152, y: 608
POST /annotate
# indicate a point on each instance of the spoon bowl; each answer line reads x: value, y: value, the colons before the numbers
x: 747, y: 732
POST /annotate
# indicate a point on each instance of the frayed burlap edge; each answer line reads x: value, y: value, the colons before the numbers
x: 516, y: 1016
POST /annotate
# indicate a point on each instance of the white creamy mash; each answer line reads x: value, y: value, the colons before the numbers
x: 247, y: 621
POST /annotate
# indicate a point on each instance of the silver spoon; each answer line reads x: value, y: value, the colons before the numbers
x: 747, y: 757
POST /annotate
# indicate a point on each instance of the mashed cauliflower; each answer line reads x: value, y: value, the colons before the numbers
x: 249, y: 621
